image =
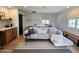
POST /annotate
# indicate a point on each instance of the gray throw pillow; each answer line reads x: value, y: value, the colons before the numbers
x: 31, y: 31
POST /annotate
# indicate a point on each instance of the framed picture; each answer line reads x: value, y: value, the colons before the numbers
x: 2, y: 15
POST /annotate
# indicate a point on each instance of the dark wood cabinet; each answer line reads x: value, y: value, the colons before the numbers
x: 7, y: 36
x: 14, y: 33
x: 1, y: 39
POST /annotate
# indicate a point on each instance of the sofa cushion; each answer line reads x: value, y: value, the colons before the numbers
x: 42, y: 31
x: 43, y: 36
x: 52, y: 30
x: 57, y: 38
x: 46, y: 29
x: 60, y: 40
x: 38, y: 36
x: 34, y: 36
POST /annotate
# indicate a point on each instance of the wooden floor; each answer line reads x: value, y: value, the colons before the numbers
x: 11, y: 46
x: 75, y: 48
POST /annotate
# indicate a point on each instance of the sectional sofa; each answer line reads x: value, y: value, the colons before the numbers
x: 41, y: 32
x: 55, y: 35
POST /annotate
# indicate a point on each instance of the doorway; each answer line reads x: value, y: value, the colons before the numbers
x: 20, y: 24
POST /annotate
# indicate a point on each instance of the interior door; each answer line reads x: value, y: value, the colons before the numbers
x: 20, y: 24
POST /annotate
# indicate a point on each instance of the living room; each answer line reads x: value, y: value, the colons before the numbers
x: 39, y: 29
x: 58, y: 18
x: 48, y: 24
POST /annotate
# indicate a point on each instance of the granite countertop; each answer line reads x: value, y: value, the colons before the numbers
x: 3, y: 29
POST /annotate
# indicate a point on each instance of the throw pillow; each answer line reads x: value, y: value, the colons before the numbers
x: 31, y: 31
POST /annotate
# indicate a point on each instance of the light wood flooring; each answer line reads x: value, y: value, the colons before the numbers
x: 12, y: 45
x: 19, y: 43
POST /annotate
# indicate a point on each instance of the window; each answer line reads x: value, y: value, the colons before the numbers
x: 45, y: 22
x: 71, y: 23
x: 77, y: 24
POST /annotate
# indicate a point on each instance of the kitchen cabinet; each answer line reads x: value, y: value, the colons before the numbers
x: 7, y: 35
x: 14, y: 33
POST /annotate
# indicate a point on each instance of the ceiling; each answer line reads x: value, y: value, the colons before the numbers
x: 43, y: 9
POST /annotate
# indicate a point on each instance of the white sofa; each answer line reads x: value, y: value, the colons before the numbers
x: 54, y: 30
x: 60, y: 40
x: 38, y: 36
x: 43, y: 32
x: 40, y: 33
x: 52, y: 33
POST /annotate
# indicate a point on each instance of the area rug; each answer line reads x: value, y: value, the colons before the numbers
x: 42, y: 51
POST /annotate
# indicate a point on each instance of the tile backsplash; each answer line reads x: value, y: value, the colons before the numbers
x: 4, y: 23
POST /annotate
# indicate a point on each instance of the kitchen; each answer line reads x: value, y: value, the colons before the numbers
x: 8, y: 25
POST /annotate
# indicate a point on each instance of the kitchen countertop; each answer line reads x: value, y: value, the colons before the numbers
x: 3, y: 29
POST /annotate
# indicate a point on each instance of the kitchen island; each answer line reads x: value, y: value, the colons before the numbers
x: 7, y: 35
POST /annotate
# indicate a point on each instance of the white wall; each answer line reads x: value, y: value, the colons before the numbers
x: 14, y: 15
x: 37, y: 18
x: 26, y: 21
x: 31, y: 19
x: 62, y: 22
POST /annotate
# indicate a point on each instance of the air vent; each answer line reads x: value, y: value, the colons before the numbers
x: 33, y: 11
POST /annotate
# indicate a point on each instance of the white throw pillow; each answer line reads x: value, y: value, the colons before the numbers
x: 26, y: 31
